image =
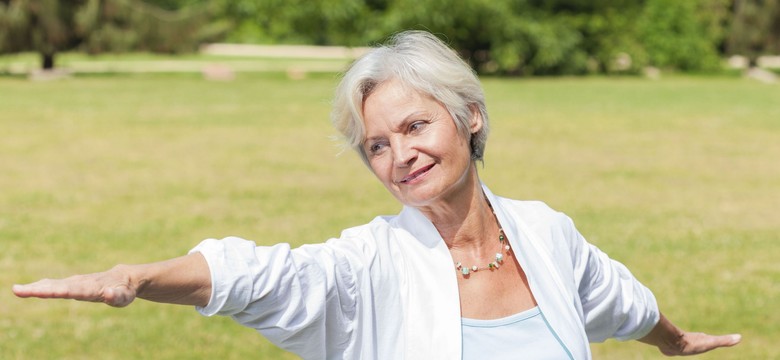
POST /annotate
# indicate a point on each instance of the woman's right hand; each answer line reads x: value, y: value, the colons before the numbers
x: 112, y: 287
x: 184, y: 280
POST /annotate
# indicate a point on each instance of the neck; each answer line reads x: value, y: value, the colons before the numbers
x: 464, y: 220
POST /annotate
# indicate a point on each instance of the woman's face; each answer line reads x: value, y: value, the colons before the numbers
x: 413, y: 145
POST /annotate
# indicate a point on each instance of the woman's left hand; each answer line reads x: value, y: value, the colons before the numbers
x: 692, y: 343
x: 672, y: 341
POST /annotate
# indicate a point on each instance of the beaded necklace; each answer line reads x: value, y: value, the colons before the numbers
x: 499, y: 259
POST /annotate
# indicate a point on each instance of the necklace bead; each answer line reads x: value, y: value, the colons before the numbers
x: 499, y: 259
x: 493, y: 265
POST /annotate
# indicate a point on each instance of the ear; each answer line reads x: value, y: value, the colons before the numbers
x: 475, y: 122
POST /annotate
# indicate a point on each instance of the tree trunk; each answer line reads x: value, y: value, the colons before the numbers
x: 47, y: 61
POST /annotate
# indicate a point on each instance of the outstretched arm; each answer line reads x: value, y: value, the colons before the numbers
x: 184, y: 280
x: 672, y: 341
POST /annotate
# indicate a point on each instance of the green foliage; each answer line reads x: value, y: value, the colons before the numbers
x: 755, y: 29
x: 51, y: 26
x: 609, y: 38
x: 715, y: 17
x: 513, y: 37
x: 506, y: 36
x: 473, y: 27
x: 175, y: 4
x: 674, y: 36
x: 320, y: 22
x: 496, y: 36
x: 119, y: 26
x: 44, y: 26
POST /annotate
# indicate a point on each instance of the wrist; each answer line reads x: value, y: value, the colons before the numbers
x: 669, y: 339
x: 673, y: 343
x: 128, y: 276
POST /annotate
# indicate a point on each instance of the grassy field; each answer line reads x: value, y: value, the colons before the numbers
x: 678, y: 178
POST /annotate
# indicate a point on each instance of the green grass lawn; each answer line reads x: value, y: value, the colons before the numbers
x: 678, y: 178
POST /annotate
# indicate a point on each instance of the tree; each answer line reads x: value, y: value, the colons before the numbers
x: 315, y: 22
x: 755, y: 29
x: 51, y: 26
x: 499, y: 36
x: 516, y: 37
x: 44, y: 26
x: 675, y: 36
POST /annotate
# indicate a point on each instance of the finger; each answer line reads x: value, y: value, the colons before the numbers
x: 700, y: 343
x: 43, y: 289
x: 22, y: 291
x: 55, y: 289
x: 726, y: 340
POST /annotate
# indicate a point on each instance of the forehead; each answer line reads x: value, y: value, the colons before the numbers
x: 394, y: 101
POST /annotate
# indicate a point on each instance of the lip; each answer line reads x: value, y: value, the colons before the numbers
x: 415, y: 175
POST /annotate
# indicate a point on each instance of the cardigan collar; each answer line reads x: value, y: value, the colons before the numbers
x: 544, y: 279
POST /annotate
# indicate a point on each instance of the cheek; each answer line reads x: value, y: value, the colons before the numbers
x: 380, y: 169
x: 456, y: 145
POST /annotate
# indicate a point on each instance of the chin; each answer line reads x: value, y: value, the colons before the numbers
x: 419, y: 197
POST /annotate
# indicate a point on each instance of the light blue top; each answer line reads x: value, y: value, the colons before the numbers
x: 525, y: 335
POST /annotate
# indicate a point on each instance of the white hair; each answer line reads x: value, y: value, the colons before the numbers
x: 422, y: 62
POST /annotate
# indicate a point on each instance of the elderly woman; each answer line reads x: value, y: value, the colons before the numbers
x: 459, y: 273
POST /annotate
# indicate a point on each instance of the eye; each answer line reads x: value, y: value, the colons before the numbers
x: 417, y: 126
x: 376, y: 147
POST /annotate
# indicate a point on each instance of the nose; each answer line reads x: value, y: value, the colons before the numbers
x: 404, y: 153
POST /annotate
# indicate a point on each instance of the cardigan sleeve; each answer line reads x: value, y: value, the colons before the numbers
x: 614, y: 303
x: 304, y: 300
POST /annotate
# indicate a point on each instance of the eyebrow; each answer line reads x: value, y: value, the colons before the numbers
x: 409, y: 118
x: 399, y: 126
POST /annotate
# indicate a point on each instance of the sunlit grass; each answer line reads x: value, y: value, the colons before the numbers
x: 677, y: 178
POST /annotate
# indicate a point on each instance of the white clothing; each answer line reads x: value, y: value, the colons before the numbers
x: 388, y: 289
x: 527, y: 330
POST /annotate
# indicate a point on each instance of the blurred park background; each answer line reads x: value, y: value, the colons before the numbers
x: 505, y: 37
x: 131, y: 130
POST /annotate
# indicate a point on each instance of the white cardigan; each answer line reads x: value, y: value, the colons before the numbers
x: 388, y: 289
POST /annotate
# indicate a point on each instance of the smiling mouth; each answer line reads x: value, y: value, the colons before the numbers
x: 416, y: 174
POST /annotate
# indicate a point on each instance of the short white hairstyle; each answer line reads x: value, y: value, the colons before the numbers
x: 419, y: 61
